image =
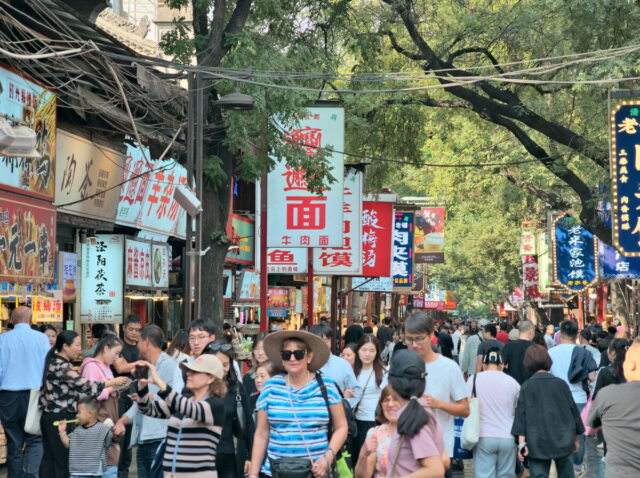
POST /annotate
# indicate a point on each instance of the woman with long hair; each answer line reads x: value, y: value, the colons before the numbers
x: 237, y: 428
x: 51, y: 332
x: 179, y: 348
x: 417, y: 445
x: 349, y: 353
x: 62, y: 387
x: 612, y: 374
x: 258, y: 356
x: 98, y: 369
x: 374, y: 455
x: 370, y: 372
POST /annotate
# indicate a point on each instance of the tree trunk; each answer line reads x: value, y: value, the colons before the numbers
x: 619, y: 310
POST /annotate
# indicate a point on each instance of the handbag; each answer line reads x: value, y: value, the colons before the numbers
x: 470, y: 433
x: 290, y: 468
x: 32, y: 421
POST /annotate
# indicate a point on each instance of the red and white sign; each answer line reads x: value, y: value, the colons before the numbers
x: 377, y: 227
x: 47, y: 309
x: 530, y: 278
x: 346, y: 260
x: 297, y: 216
x: 137, y: 263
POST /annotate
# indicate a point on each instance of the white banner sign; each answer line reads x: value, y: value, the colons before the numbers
x: 346, y: 260
x: 137, y: 263
x: 86, y: 174
x: 101, y: 289
x: 297, y: 216
x: 372, y: 284
x: 160, y: 266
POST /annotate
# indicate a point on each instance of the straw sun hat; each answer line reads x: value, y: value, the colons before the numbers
x: 273, y: 346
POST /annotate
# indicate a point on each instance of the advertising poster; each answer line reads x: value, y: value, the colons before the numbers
x: 428, y: 242
x: 242, y: 237
x: 27, y: 240
x: 249, y: 286
x: 26, y: 101
x: 575, y: 252
x: 101, y: 298
x: 402, y: 265
x: 377, y: 232
x: 159, y: 266
x: 47, y: 308
x: 137, y: 263
x: 68, y: 275
x: 297, y: 216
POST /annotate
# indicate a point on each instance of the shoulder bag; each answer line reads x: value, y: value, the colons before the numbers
x: 366, y: 384
x: 470, y: 433
x: 32, y: 422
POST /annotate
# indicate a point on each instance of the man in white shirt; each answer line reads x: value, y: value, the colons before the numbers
x: 563, y: 356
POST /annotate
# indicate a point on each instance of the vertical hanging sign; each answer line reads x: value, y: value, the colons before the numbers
x: 574, y: 255
x: 377, y: 225
x: 402, y: 265
x: 428, y: 242
x: 298, y: 217
x: 625, y: 175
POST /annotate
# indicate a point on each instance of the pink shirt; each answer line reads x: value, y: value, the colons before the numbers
x: 498, y: 395
x: 96, y: 371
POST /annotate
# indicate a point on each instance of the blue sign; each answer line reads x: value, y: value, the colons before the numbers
x: 402, y: 257
x: 625, y: 177
x: 613, y: 265
x: 276, y: 312
x: 574, y: 267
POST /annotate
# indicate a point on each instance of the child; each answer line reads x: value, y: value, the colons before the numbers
x: 88, y: 442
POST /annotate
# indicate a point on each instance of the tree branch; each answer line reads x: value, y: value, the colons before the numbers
x: 549, y: 198
x: 397, y: 47
x: 479, y: 49
x: 218, y: 45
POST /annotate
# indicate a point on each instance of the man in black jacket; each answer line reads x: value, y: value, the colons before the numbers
x: 354, y: 332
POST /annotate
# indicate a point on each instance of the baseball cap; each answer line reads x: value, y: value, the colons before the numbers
x: 206, y: 363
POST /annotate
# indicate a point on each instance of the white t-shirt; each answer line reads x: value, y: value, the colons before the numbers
x: 561, y: 356
x: 498, y: 395
x: 367, y: 408
x: 445, y: 382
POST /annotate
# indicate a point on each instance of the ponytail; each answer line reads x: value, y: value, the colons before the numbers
x: 412, y: 419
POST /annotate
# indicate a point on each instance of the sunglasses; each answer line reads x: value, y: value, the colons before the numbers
x: 298, y: 354
x: 215, y: 348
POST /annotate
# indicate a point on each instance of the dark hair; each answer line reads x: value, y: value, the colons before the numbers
x: 569, y: 329
x: 612, y: 329
x: 367, y: 329
x: 353, y: 346
x: 90, y: 402
x: 65, y: 337
x: 537, y: 358
x: 378, y: 365
x: 408, y: 378
x: 538, y: 337
x: 180, y: 343
x: 386, y: 321
x: 586, y: 334
x: 44, y: 327
x: 386, y: 391
x: 205, y: 325
x: 321, y: 330
x: 153, y: 334
x: 492, y: 356
x: 272, y: 369
x: 99, y: 330
x: 619, y: 349
x: 106, y: 341
x: 257, y: 339
x: 132, y: 319
x: 419, y: 323
x: 232, y: 378
x: 491, y: 329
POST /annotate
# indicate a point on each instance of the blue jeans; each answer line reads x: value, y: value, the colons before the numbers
x: 494, y: 458
x: 578, y: 457
x: 13, y: 412
x: 540, y: 468
x: 110, y: 472
x: 144, y: 457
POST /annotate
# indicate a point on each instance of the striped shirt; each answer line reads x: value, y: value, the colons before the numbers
x: 298, y: 418
x: 88, y: 449
x: 193, y: 433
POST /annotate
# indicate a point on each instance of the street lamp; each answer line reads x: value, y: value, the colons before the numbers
x: 235, y: 101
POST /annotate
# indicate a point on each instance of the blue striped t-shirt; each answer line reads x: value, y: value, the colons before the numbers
x: 285, y: 437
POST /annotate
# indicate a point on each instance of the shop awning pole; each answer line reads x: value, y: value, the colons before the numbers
x: 310, y: 286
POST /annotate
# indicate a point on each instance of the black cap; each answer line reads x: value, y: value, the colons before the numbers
x: 406, y: 363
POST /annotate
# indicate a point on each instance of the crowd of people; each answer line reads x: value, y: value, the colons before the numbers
x: 385, y: 407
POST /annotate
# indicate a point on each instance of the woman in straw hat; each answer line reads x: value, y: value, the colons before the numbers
x: 297, y: 423
x: 195, y: 423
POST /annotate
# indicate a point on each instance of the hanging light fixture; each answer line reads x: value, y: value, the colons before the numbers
x: 235, y: 101
x: 17, y: 141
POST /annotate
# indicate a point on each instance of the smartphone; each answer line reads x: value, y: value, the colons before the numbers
x: 140, y: 371
x: 133, y: 387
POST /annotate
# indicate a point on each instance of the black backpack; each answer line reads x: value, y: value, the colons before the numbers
x: 348, y: 412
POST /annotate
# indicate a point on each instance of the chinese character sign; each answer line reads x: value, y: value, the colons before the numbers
x: 402, y: 265
x: 377, y: 226
x: 625, y: 175
x: 613, y: 265
x: 47, y: 309
x: 372, y: 284
x: 530, y: 278
x: 298, y: 217
x: 575, y: 251
x: 134, y: 188
x: 428, y: 245
x: 27, y: 240
x: 278, y: 297
x: 68, y: 275
x: 87, y: 177
x: 527, y: 243
x: 346, y: 260
x: 137, y: 263
x: 36, y: 107
x: 101, y: 296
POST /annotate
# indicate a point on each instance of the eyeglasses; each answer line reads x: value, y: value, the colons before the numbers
x: 287, y: 354
x: 198, y: 338
x: 414, y: 340
x: 215, y: 348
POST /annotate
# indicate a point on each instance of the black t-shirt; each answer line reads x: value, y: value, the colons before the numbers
x: 353, y: 334
x: 385, y: 334
x: 485, y: 345
x: 446, y: 344
x: 513, y: 356
x: 130, y: 352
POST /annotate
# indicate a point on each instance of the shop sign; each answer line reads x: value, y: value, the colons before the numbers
x: 402, y: 265
x: 137, y: 263
x: 527, y: 243
x: 227, y: 284
x: 277, y: 312
x: 419, y: 278
x: 242, y: 237
x: 377, y: 225
x: 625, y: 175
x: 88, y: 176
x: 249, y: 286
x: 530, y: 279
x: 27, y: 240
x: 613, y: 265
x: 47, y: 309
x: 544, y: 262
x: 134, y: 185
x: 575, y: 251
x: 298, y: 217
x: 428, y: 245
x: 435, y: 298
x: 160, y: 266
x: 346, y: 260
x: 68, y: 275
x: 101, y: 296
x: 299, y: 304
x: 278, y: 297
x: 35, y: 106
x: 372, y: 284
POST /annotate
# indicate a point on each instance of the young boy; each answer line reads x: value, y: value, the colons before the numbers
x: 88, y: 442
